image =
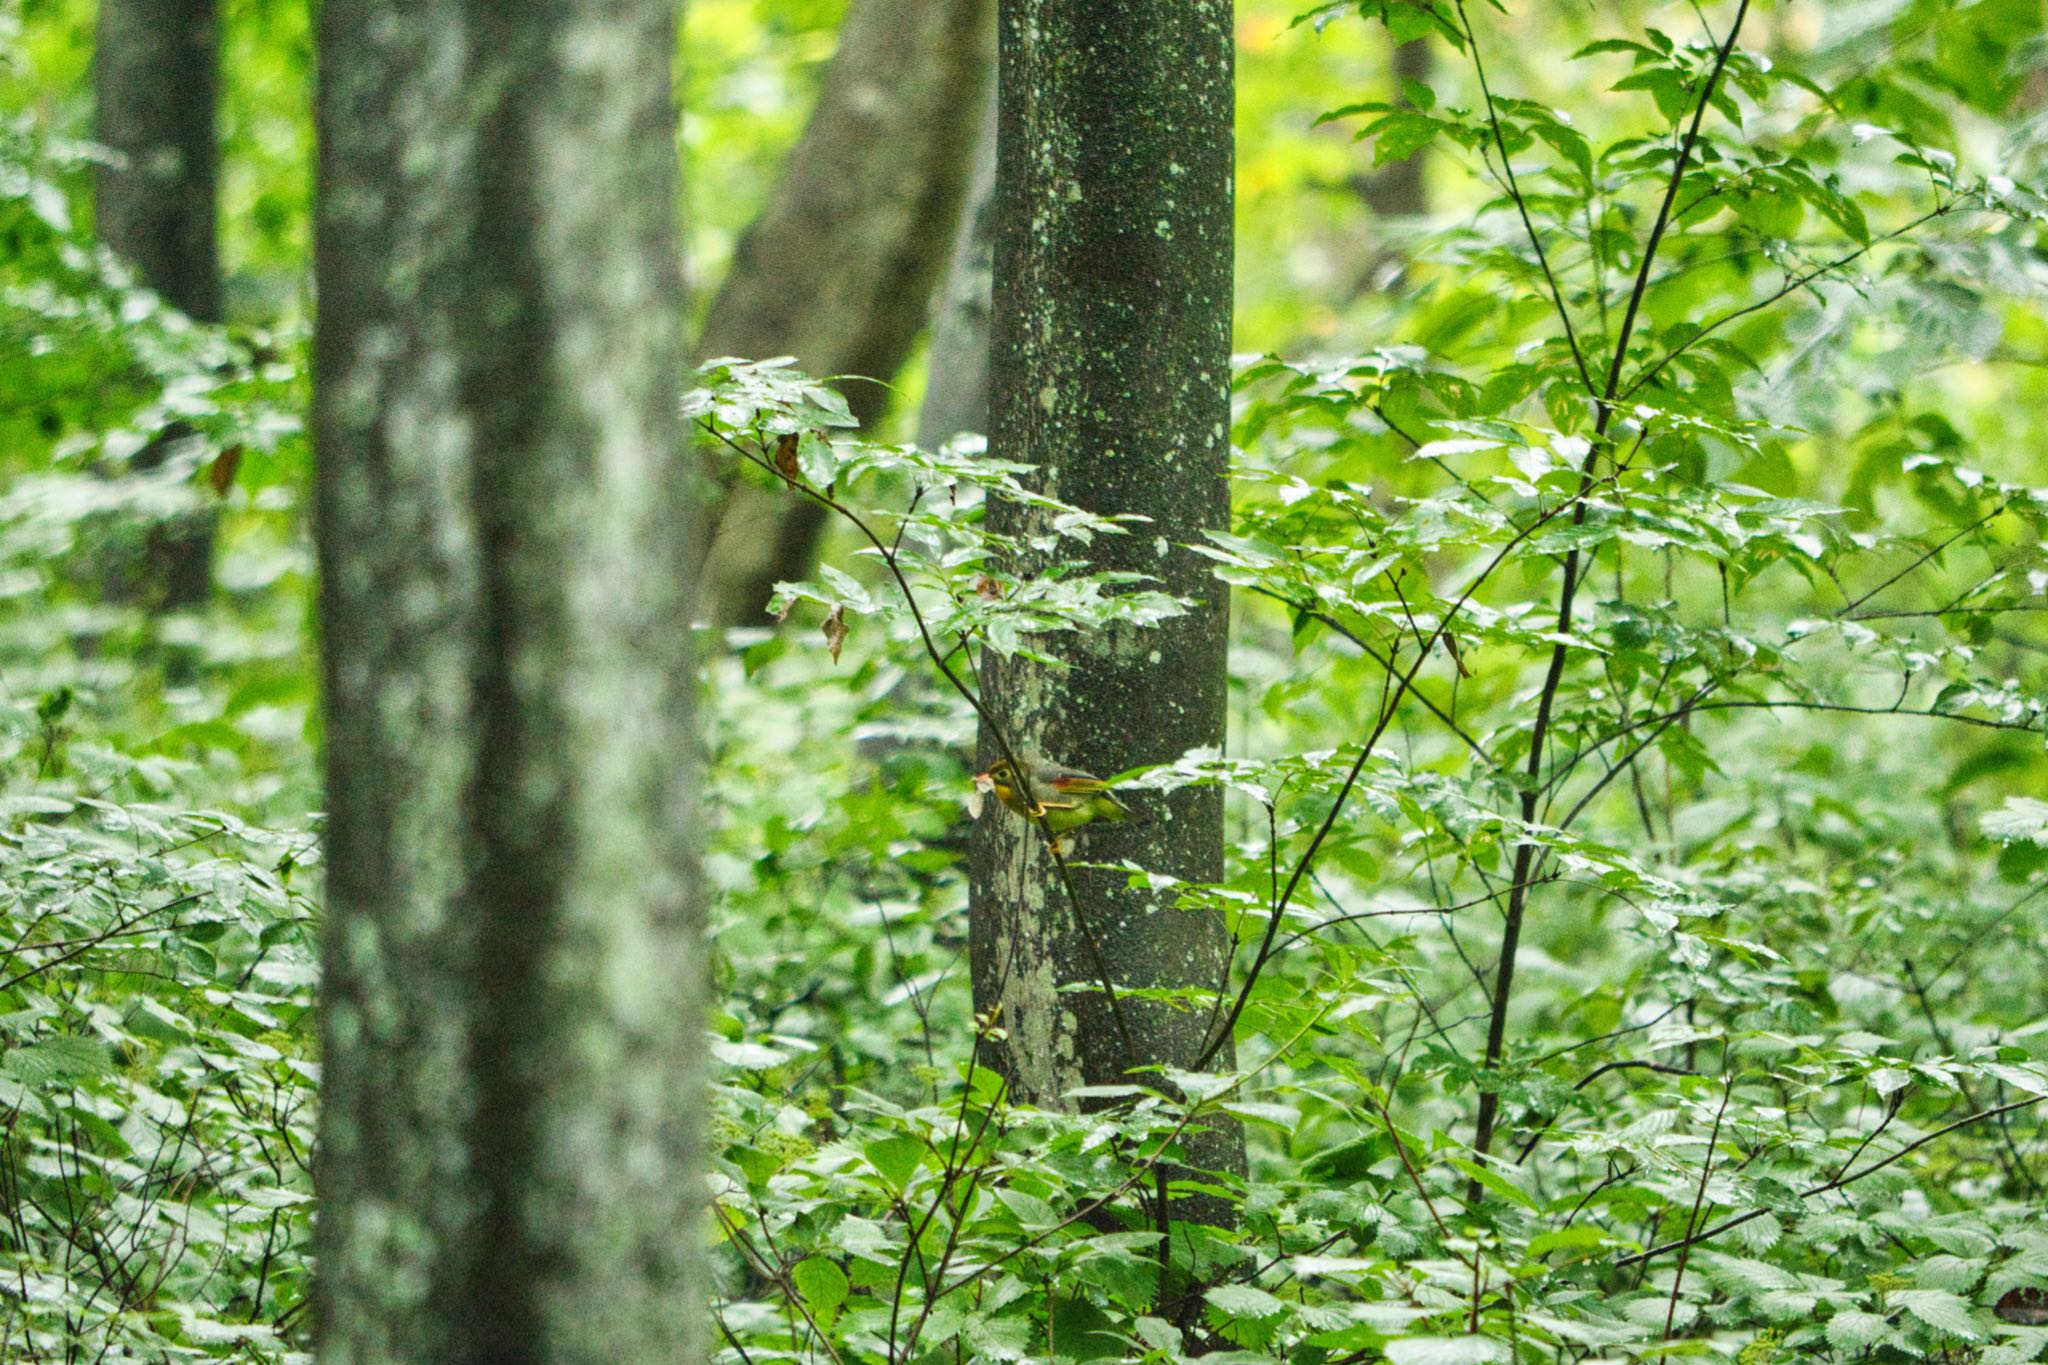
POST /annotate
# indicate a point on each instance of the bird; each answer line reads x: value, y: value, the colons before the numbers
x: 1061, y: 798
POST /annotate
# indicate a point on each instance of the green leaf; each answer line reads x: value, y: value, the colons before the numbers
x: 1470, y: 1350
x: 65, y: 1057
x: 823, y: 1286
x: 1244, y: 1301
x: 1940, y: 1310
x: 2021, y: 819
x: 897, y: 1158
x: 1852, y: 1329
x: 1494, y: 1181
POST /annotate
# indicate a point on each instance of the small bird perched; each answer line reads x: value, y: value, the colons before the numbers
x: 1063, y: 798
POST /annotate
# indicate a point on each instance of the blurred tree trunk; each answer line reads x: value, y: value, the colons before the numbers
x: 155, y: 70
x: 956, y: 384
x: 1110, y: 368
x: 839, y: 267
x: 1397, y: 190
x: 155, y: 73
x: 511, y: 1037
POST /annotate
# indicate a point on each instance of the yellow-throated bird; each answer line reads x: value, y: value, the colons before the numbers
x: 1064, y: 798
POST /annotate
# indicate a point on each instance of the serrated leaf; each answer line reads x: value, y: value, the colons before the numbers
x: 896, y: 1158
x: 1942, y: 1311
x: 66, y: 1057
x: 1494, y: 1181
x: 1852, y: 1329
x: 1444, y: 1350
x: 1244, y: 1301
x: 2021, y: 819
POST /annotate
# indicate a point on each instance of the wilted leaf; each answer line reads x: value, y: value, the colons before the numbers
x: 835, y: 629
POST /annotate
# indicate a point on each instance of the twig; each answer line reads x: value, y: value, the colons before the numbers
x: 1831, y: 1185
x: 1699, y: 1198
x: 1511, y: 930
x: 1387, y: 713
x: 1595, y: 1074
x: 1521, y: 204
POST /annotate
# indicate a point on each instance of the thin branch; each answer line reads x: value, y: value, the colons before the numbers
x: 1511, y: 930
x: 1699, y: 1199
x: 1931, y: 552
x: 1385, y: 662
x: 1386, y: 716
x: 1595, y: 1074
x: 1835, y: 1184
x: 1792, y: 286
x: 1521, y: 204
x: 1678, y: 169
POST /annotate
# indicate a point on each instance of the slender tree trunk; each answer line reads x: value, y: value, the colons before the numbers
x: 1398, y: 191
x: 508, y: 1166
x: 839, y: 267
x: 956, y: 385
x: 1110, y: 373
x: 155, y: 72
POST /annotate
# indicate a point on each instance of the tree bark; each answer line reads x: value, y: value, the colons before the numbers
x: 155, y: 73
x: 155, y: 70
x: 1398, y: 190
x: 956, y: 381
x: 1110, y: 374
x: 509, y: 1150
x: 839, y: 267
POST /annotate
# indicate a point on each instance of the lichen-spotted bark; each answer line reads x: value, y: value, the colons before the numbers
x: 508, y: 1164
x: 1110, y: 369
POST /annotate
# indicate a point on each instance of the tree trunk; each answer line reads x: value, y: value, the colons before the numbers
x: 1110, y: 373
x: 1397, y: 190
x: 956, y: 382
x: 839, y: 267
x: 509, y: 1151
x: 155, y: 71
x: 155, y: 68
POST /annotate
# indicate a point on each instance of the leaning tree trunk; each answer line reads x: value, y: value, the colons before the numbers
x: 1110, y: 370
x: 839, y: 267
x: 956, y: 381
x: 155, y: 70
x: 508, y: 1165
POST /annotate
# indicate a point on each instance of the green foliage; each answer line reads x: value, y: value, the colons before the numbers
x: 1766, y: 801
x: 1642, y: 589
x: 156, y: 954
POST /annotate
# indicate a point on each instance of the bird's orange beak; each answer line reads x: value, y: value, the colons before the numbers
x: 984, y: 782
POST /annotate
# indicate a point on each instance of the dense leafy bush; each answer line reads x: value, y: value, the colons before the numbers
x: 1664, y: 581
x: 156, y: 958
x: 1638, y: 952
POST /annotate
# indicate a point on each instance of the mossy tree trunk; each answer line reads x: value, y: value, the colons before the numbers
x: 156, y: 73
x: 1110, y: 372
x: 509, y: 1156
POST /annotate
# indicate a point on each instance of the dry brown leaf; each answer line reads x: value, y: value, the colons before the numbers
x: 785, y: 458
x: 835, y: 630
x: 220, y: 475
